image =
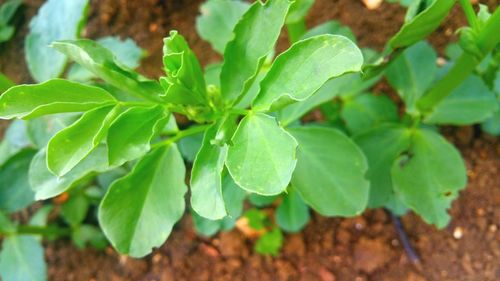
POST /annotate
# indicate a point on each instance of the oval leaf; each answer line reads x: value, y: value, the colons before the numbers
x: 470, y: 103
x: 47, y: 185
x: 53, y: 96
x: 412, y: 73
x: 15, y: 191
x: 206, y: 180
x: 381, y: 147
x: 254, y: 38
x: 140, y: 209
x: 428, y: 178
x: 292, y: 214
x: 217, y: 21
x: 22, y: 259
x: 56, y: 20
x: 130, y: 134
x: 315, y: 60
x: 330, y: 172
x: 72, y: 144
x: 262, y: 157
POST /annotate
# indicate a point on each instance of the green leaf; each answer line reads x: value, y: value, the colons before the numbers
x: 257, y: 219
x: 262, y: 157
x: 139, y: 210
x: 6, y: 33
x: 42, y: 129
x: 17, y: 135
x: 298, y: 10
x: 330, y: 27
x: 72, y: 144
x: 102, y: 63
x: 330, y: 172
x: 262, y: 201
x: 469, y: 103
x: 381, y: 146
x: 47, y: 185
x: 234, y: 198
x: 217, y: 21
x: 56, y: 20
x: 15, y: 191
x: 422, y: 24
x: 53, y: 96
x: 204, y: 226
x: 8, y: 10
x: 125, y: 51
x: 130, y: 135
x: 292, y: 214
x: 206, y: 179
x: 75, y: 209
x: 429, y: 177
x: 270, y: 243
x: 22, y: 259
x: 41, y: 216
x: 5, y: 83
x: 6, y: 225
x: 315, y: 60
x: 184, y: 83
x: 254, y: 38
x: 412, y: 73
x: 189, y: 146
x: 345, y: 85
x: 367, y: 111
x: 88, y: 234
x: 492, y: 125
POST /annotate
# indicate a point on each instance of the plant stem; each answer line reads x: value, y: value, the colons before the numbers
x: 487, y: 39
x: 296, y: 30
x: 412, y: 255
x: 43, y: 230
x: 182, y: 134
x: 469, y: 13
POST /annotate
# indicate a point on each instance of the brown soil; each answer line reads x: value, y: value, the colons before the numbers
x: 361, y: 248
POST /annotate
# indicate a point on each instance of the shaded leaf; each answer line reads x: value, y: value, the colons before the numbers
x: 22, y: 259
x: 412, y: 73
x: 330, y: 172
x: 381, y: 146
x: 217, y: 21
x: 15, y: 191
x: 428, y: 178
x: 469, y: 103
x: 56, y: 20
x: 292, y: 214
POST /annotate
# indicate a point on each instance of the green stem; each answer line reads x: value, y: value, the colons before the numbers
x: 182, y: 134
x: 43, y: 230
x: 487, y: 39
x: 469, y: 13
x: 296, y: 30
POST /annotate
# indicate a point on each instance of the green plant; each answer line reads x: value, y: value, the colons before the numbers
x: 7, y: 12
x: 115, y: 128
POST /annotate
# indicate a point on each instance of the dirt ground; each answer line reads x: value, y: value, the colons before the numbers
x: 361, y: 248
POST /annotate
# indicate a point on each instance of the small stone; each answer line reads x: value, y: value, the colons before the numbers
x: 372, y: 4
x: 458, y: 233
x: 493, y: 228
